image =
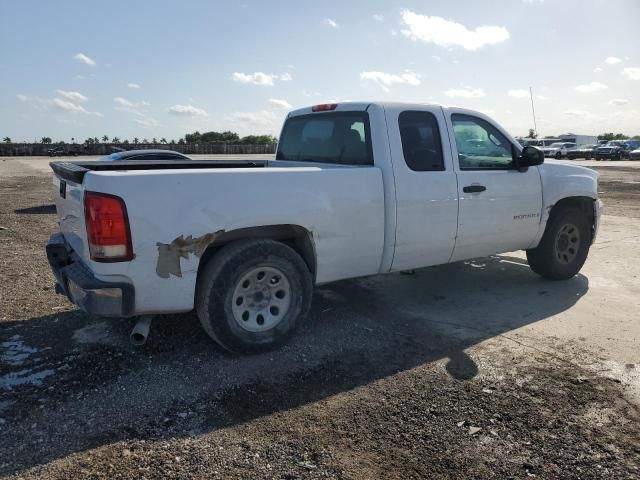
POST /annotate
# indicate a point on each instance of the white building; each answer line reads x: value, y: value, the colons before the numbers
x: 579, y: 139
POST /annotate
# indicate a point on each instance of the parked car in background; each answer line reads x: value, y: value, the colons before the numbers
x: 616, y: 149
x: 558, y: 150
x: 541, y: 142
x: 146, y: 155
x: 634, y: 154
x: 61, y: 152
x: 629, y: 147
x: 583, y: 151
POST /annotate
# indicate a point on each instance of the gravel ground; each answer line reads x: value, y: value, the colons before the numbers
x: 367, y: 389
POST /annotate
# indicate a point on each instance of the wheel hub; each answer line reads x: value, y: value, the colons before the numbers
x: 261, y: 299
x: 567, y: 243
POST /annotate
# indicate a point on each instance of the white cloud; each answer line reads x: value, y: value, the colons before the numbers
x: 590, y: 87
x: 81, y: 57
x: 618, y: 101
x: 437, y: 58
x: 542, y: 97
x: 576, y: 113
x: 465, y: 93
x: 66, y: 106
x: 286, y: 77
x: 532, y: 1
x: 278, y: 102
x: 133, y: 85
x: 518, y: 93
x: 57, y: 104
x: 385, y: 80
x: 187, y: 111
x: 256, y: 78
x: 146, y: 122
x: 597, y: 70
x: 377, y: 17
x: 612, y: 60
x: 331, y: 23
x: 128, y: 103
x: 72, y: 96
x: 632, y: 73
x: 447, y: 33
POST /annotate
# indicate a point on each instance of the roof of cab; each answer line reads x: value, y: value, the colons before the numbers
x: 361, y: 106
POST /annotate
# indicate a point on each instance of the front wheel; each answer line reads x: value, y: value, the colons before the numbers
x: 253, y: 294
x: 564, y: 246
x: 558, y: 156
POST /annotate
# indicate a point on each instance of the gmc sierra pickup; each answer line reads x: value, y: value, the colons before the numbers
x: 355, y: 189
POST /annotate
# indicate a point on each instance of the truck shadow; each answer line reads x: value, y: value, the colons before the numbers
x: 99, y: 390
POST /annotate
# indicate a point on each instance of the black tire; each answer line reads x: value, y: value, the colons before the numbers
x: 546, y: 259
x: 558, y: 156
x: 222, y: 274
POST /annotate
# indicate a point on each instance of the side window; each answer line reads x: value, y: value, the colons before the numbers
x: 480, y: 145
x: 421, y: 143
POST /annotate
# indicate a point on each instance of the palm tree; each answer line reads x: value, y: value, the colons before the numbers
x: 125, y: 142
x: 45, y: 140
x: 105, y: 139
x: 145, y: 140
x: 115, y: 140
x: 154, y: 140
x: 6, y: 140
x: 136, y: 141
x: 163, y: 140
x: 96, y: 140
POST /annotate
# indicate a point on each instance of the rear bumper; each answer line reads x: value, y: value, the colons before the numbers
x: 81, y: 287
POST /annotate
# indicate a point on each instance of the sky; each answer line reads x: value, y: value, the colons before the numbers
x: 78, y: 69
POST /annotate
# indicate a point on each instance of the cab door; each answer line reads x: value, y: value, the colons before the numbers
x: 425, y: 186
x: 499, y: 205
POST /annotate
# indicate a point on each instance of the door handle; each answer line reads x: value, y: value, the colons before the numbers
x: 474, y: 189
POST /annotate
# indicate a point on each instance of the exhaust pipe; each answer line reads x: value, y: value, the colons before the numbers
x: 140, y: 332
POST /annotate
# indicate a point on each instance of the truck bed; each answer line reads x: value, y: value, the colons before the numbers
x: 75, y: 171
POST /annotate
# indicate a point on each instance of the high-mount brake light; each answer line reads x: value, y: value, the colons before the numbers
x: 108, y: 232
x: 324, y: 107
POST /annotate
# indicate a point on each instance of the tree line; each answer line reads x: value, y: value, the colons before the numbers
x: 602, y: 136
x: 196, y: 137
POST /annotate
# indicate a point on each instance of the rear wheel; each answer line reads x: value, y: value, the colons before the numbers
x: 558, y: 155
x: 564, y: 246
x: 253, y: 294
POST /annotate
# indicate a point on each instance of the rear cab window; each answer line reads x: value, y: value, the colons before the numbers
x: 421, y: 143
x: 337, y: 137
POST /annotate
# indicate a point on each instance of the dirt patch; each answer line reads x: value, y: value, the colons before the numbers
x: 371, y: 387
x: 620, y: 190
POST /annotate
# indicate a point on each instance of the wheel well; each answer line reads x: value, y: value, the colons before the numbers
x: 584, y: 204
x: 295, y: 236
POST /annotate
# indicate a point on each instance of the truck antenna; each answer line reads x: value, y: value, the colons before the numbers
x: 533, y: 110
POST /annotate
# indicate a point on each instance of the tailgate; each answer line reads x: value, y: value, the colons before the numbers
x: 69, y: 196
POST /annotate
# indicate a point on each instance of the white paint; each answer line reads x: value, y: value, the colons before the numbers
x: 363, y: 220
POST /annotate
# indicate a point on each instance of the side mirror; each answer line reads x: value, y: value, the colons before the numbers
x: 530, y: 156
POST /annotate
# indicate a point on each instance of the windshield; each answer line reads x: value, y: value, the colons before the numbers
x: 113, y: 156
x: 337, y: 137
x: 615, y: 143
x: 557, y: 145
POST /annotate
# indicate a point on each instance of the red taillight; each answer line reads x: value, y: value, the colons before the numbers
x: 325, y: 107
x: 108, y: 230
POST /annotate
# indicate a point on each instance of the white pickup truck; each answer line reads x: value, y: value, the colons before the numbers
x: 355, y: 189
